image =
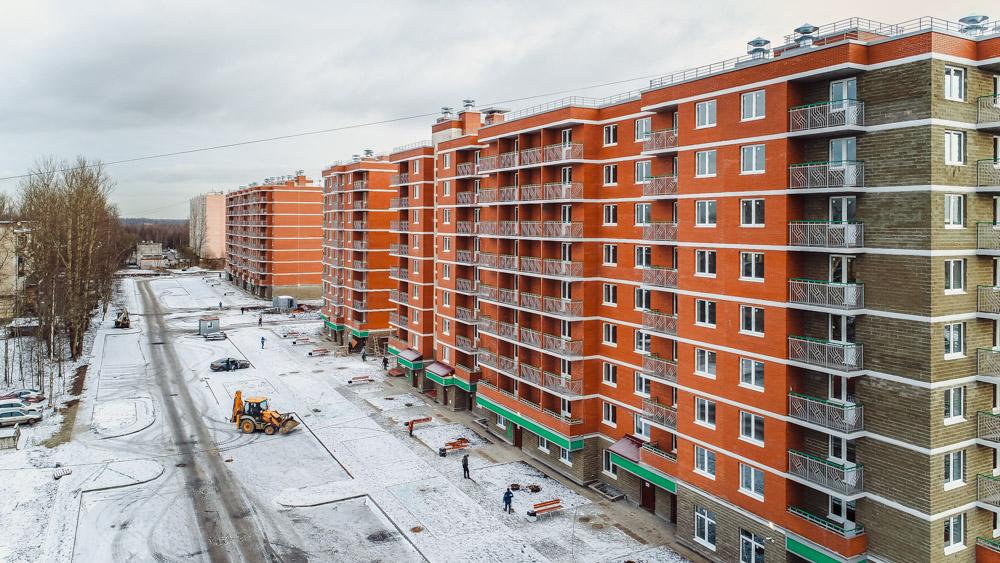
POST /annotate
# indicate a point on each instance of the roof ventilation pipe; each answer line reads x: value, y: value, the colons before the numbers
x: 468, y: 104
x: 805, y: 37
x: 973, y: 24
x: 759, y: 48
x: 369, y: 153
x: 446, y: 112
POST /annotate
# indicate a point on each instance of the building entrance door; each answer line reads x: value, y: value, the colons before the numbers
x: 517, y: 436
x: 647, y: 495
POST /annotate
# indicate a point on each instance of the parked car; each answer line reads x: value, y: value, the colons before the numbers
x: 10, y: 417
x: 229, y: 364
x: 216, y: 336
x: 30, y: 395
x: 20, y: 404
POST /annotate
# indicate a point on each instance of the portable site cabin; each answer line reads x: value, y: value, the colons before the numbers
x: 9, y: 437
x: 208, y: 325
x: 284, y: 302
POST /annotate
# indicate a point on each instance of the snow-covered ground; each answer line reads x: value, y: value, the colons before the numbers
x: 348, y: 484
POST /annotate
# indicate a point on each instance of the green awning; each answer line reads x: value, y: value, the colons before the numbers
x: 547, y: 433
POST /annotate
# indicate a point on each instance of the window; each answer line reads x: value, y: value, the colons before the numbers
x: 610, y: 135
x: 610, y: 294
x: 954, y: 211
x: 446, y: 243
x: 643, y: 213
x: 565, y: 456
x: 751, y: 481
x: 751, y: 547
x: 416, y: 292
x: 610, y: 254
x: 643, y: 298
x: 643, y: 256
x: 501, y: 422
x: 954, y: 276
x: 704, y: 362
x: 416, y: 267
x: 416, y: 216
x: 447, y: 188
x: 642, y: 128
x: 416, y: 167
x: 610, y: 414
x: 751, y: 373
x: 954, y: 533
x: 610, y: 174
x: 643, y: 342
x: 704, y: 213
x: 610, y: 333
x: 704, y: 162
x: 954, y: 148
x: 642, y: 384
x: 752, y: 266
x: 543, y: 444
x: 704, y: 411
x: 752, y: 159
x: 416, y: 319
x: 954, y: 83
x: 610, y: 214
x: 752, y: 105
x: 704, y: 461
x: 954, y: 404
x: 609, y: 467
x: 751, y: 212
x: 445, y: 354
x: 704, y: 526
x: 641, y: 428
x: 954, y: 340
x: 643, y: 170
x: 447, y: 299
x: 704, y: 312
x: 954, y: 469
x: 704, y: 114
x: 610, y: 374
x: 447, y: 161
x: 704, y: 262
x: 445, y: 326
x: 447, y: 216
x: 752, y: 320
x: 752, y: 427
x: 416, y: 242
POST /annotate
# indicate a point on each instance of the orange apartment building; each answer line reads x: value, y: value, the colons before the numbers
x: 274, y: 236
x: 356, y: 243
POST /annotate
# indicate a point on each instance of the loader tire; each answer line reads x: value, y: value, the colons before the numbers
x: 247, y: 426
x: 270, y: 429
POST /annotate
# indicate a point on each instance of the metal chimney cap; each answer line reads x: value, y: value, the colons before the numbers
x: 973, y: 19
x: 356, y: 156
x: 806, y: 29
x: 369, y: 153
x: 758, y: 42
x: 469, y: 104
x: 446, y: 110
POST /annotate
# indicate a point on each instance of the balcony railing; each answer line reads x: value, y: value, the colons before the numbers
x: 487, y: 163
x: 507, y: 296
x: 465, y: 228
x: 465, y: 169
x: 988, y: 427
x: 561, y: 229
x: 840, y: 417
x: 397, y: 319
x: 464, y: 314
x: 399, y: 203
x: 988, y: 299
x: 826, y: 234
x: 360, y: 204
x: 840, y: 356
x: 487, y: 358
x: 465, y: 286
x: 843, y: 479
x: 531, y: 337
x: 531, y: 373
x: 651, y: 448
x: 563, y: 268
x: 531, y: 192
x: 988, y: 544
x: 466, y: 257
x: 507, y: 330
x: 562, y: 417
x: 507, y: 228
x: 827, y: 294
x: 563, y: 346
x: 531, y: 156
x: 531, y: 229
x: 989, y: 109
x: 660, y: 231
x: 397, y: 179
x: 563, y: 151
x: 838, y: 174
x: 399, y: 297
x: 988, y: 174
x: 507, y: 160
x: 487, y: 324
x: 563, y: 190
x: 660, y: 414
x: 562, y: 384
x: 851, y: 531
x: 507, y: 194
x: 665, y: 185
x: 659, y: 322
x: 563, y: 307
x: 465, y: 198
x: 988, y: 490
x: 659, y: 277
x: 507, y: 262
x: 507, y: 365
x: 530, y: 300
x: 465, y: 344
x: 400, y: 226
x: 657, y: 367
x: 487, y: 196
x: 487, y: 260
x: 399, y: 249
x: 659, y: 140
x: 531, y: 265
x: 823, y: 115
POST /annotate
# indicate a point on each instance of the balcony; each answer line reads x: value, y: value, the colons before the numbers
x: 660, y: 186
x: 562, y: 268
x: 465, y: 315
x: 832, y: 295
x: 988, y: 492
x: 507, y: 160
x: 839, y: 417
x: 826, y: 175
x: 487, y: 358
x: 507, y: 228
x: 399, y: 179
x: 659, y: 368
x: 465, y: 286
x: 531, y: 229
x: 466, y: 257
x: 826, y: 234
x: 562, y: 346
x: 487, y: 292
x: 398, y: 320
x: 531, y: 265
x: 466, y: 345
x: 399, y: 203
x: 988, y: 429
x: 398, y: 274
x: 487, y: 260
x: 399, y: 249
x: 988, y: 302
x: 654, y: 457
x: 988, y: 173
x: 660, y: 141
x: 487, y: 324
x: 396, y: 226
x: 361, y: 285
x: 841, y: 479
x: 487, y: 163
x: 562, y: 191
x: 360, y: 204
x: 488, y: 228
x: 360, y: 244
x: 360, y: 184
x: 660, y: 277
x: 465, y: 228
x: 661, y: 415
x: 487, y: 196
x: 562, y: 307
x: 531, y: 192
x: 531, y: 374
x: 530, y: 337
x: 465, y: 169
x: 564, y: 385
x: 506, y: 366
x: 847, y: 533
x: 988, y: 118
x: 662, y: 323
x: 988, y: 545
x: 835, y: 356
x: 507, y: 296
x: 827, y: 118
x: 531, y: 157
x: 401, y: 298
x: 563, y: 152
x: 561, y: 229
x: 360, y: 305
x: 507, y: 194
x: 507, y: 330
x: 660, y: 231
x: 530, y: 300
x: 465, y: 198
x: 507, y: 262
x: 564, y: 418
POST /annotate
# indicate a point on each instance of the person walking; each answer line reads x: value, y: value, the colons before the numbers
x: 410, y: 425
x: 508, y: 498
x: 465, y: 465
x: 364, y: 355
x: 242, y: 310
x: 220, y: 305
x: 385, y: 363
x: 260, y: 321
x: 261, y: 342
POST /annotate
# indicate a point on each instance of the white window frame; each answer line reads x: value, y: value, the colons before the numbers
x: 565, y: 456
x: 609, y: 334
x: 643, y: 127
x: 706, y: 213
x: 954, y: 148
x: 755, y: 312
x: 704, y: 462
x: 446, y: 216
x: 643, y: 256
x: 954, y: 211
x: 447, y: 188
x: 643, y: 171
x: 749, y: 374
x: 609, y: 468
x: 751, y: 205
x: 705, y: 114
x: 610, y: 174
x: 611, y: 215
x: 704, y: 523
x: 610, y: 255
x: 751, y: 545
x: 609, y: 414
x: 446, y: 296
x: 447, y: 161
x: 610, y: 374
x: 751, y: 436
x: 610, y: 295
x: 758, y: 103
x: 954, y: 533
x: 750, y: 258
x: 445, y: 326
x: 646, y: 299
x: 705, y: 164
x: 642, y: 385
x: 416, y: 167
x: 954, y: 405
x: 751, y: 481
x: 954, y: 340
x: 643, y: 213
x: 641, y: 427
x: 543, y: 444
x: 954, y: 469
x: 954, y: 78
x: 501, y: 422
x: 705, y: 362
x: 611, y: 135
x: 706, y: 407
x: 954, y: 276
x: 704, y: 313
x: 446, y: 243
x: 752, y: 159
x: 706, y: 257
x: 643, y: 342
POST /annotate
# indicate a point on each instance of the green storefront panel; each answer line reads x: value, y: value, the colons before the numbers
x: 654, y: 477
x: 810, y: 553
x: 464, y: 385
x: 446, y: 381
x: 550, y: 435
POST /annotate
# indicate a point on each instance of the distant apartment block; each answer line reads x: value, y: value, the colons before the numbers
x: 12, y: 267
x: 274, y: 237
x: 207, y: 226
x: 149, y: 255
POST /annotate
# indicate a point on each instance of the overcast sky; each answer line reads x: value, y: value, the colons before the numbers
x: 123, y: 79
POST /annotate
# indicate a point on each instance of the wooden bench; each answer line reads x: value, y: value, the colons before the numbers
x: 457, y: 444
x: 547, y: 506
x: 416, y: 421
x: 319, y: 352
x: 304, y: 340
x: 290, y: 333
x: 361, y: 379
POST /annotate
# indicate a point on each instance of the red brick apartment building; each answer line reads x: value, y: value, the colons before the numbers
x: 356, y: 245
x: 273, y: 237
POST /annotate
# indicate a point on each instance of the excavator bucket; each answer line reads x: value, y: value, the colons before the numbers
x: 287, y: 425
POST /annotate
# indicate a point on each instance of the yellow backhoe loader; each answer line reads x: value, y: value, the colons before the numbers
x: 253, y: 414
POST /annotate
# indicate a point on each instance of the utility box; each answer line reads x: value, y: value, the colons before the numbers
x: 9, y: 437
x: 284, y: 303
x: 208, y: 325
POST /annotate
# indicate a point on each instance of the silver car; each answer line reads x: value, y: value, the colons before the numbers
x: 10, y: 417
x: 20, y: 404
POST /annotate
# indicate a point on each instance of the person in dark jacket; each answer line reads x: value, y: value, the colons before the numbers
x: 465, y: 465
x: 385, y: 362
x: 508, y: 498
x: 260, y: 321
